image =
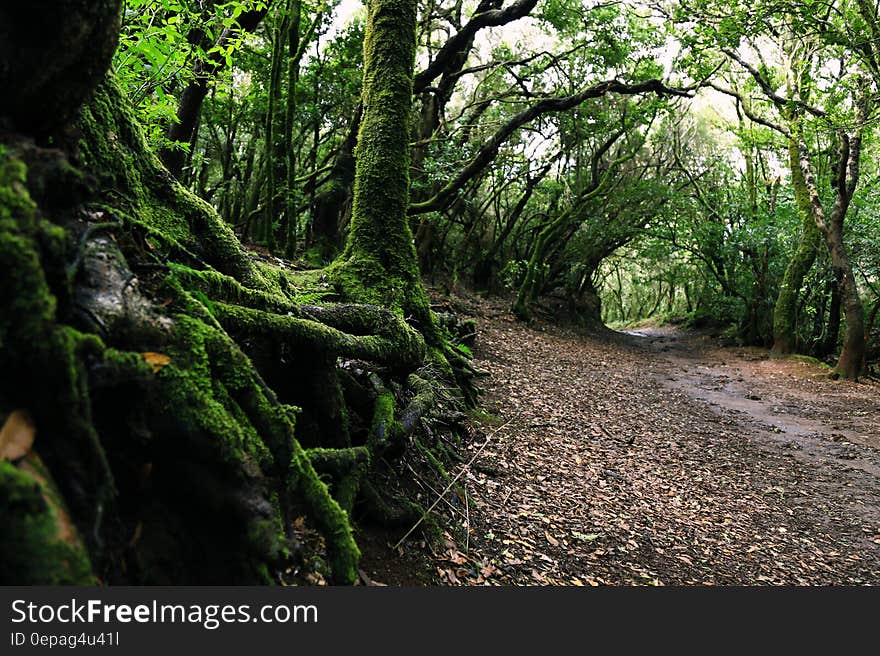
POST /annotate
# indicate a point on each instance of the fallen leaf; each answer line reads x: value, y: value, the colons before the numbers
x: 156, y: 360
x: 17, y: 435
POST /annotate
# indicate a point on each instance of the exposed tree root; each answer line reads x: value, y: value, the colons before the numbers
x: 171, y: 407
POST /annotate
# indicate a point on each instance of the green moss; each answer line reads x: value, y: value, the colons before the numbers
x: 27, y: 304
x: 213, y: 389
x: 42, y: 360
x: 809, y: 360
x: 388, y: 341
x: 809, y: 243
x: 34, y: 549
x: 383, y: 428
x: 379, y: 265
x: 330, y: 517
x: 482, y: 416
x: 195, y: 392
x: 210, y: 423
x: 346, y: 467
x: 141, y: 190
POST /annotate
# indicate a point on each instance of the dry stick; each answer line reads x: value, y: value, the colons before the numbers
x: 425, y: 484
x: 467, y: 521
x: 451, y: 483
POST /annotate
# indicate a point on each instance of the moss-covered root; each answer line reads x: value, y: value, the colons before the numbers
x: 38, y: 543
x: 332, y: 520
x: 396, y: 511
x: 213, y: 445
x: 346, y: 468
x: 215, y: 406
x: 387, y: 432
x: 384, y: 430
x: 43, y: 363
x: 114, y: 149
x: 423, y: 401
x: 394, y: 345
x: 241, y: 412
x: 457, y: 368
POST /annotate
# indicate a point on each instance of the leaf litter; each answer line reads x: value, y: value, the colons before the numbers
x: 612, y: 470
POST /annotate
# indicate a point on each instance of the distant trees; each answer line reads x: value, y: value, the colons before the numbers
x: 822, y: 109
x: 501, y: 134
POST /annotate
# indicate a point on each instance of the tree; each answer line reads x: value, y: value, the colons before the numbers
x: 379, y: 262
x: 162, y: 368
x: 829, y: 223
x: 205, y: 69
x: 819, y: 105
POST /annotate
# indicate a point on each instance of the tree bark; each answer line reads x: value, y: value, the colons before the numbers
x: 193, y: 95
x: 785, y: 310
x: 850, y: 361
x: 294, y: 54
x: 379, y: 264
x: 53, y: 53
x: 328, y: 204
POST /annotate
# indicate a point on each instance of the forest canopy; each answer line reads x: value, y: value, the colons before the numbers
x: 226, y: 227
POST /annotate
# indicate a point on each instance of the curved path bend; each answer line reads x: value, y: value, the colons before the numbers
x: 659, y: 458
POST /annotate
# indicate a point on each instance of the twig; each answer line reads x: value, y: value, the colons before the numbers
x: 451, y: 483
x: 467, y: 520
x: 628, y: 441
x: 605, y: 431
x: 425, y: 484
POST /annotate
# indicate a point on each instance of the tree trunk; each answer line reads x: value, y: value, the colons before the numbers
x: 785, y: 310
x: 832, y: 330
x: 52, y: 55
x: 379, y: 264
x: 328, y: 205
x: 850, y: 361
x: 193, y: 96
x: 289, y: 223
x: 275, y: 159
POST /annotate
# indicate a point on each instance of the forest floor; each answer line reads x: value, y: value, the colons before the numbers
x: 658, y: 457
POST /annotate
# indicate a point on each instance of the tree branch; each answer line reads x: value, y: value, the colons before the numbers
x: 490, y: 149
x: 461, y: 40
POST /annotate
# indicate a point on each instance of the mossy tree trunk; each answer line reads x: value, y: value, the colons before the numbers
x: 785, y: 310
x: 164, y: 446
x: 379, y: 264
x: 851, y: 359
x: 43, y: 87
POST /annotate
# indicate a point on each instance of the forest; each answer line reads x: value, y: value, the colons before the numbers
x: 439, y: 292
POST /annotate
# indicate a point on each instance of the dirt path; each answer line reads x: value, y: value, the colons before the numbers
x: 661, y: 459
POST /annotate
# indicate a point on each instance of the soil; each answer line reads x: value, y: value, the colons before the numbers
x: 659, y: 457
